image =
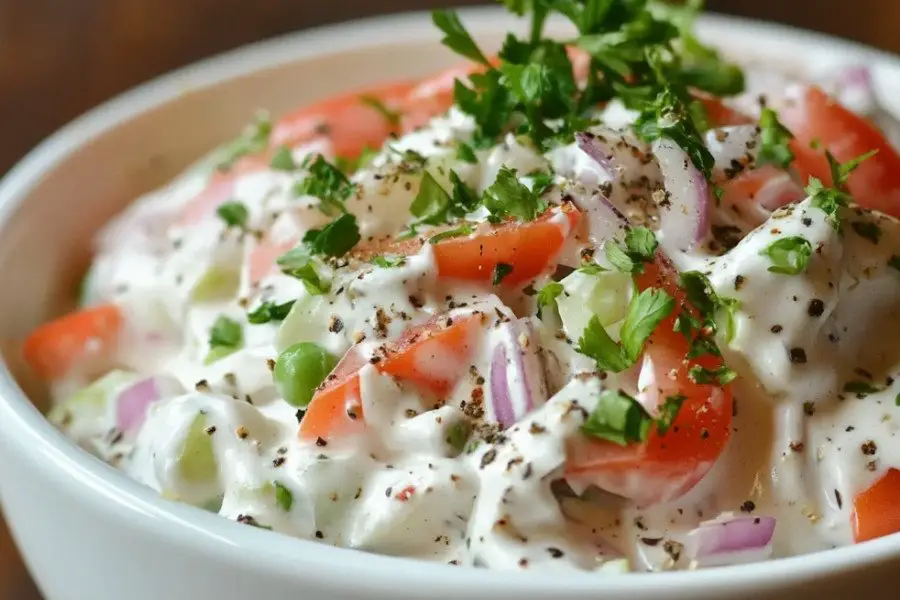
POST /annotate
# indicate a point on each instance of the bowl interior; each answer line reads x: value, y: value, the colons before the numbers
x: 54, y: 201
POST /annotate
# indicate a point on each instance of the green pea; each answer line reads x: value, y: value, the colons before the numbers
x: 300, y: 369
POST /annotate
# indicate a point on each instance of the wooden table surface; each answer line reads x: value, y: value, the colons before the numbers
x: 60, y: 57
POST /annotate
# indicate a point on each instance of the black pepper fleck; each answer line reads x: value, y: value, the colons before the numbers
x: 798, y: 356
x: 816, y: 308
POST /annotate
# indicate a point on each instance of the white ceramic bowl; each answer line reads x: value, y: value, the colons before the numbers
x: 89, y: 533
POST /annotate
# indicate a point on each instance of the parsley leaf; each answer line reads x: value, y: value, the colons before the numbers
x: 456, y: 37
x: 431, y: 203
x: 640, y: 247
x: 298, y: 263
x: 465, y: 153
x: 828, y: 200
x: 388, y: 262
x: 327, y: 183
x: 501, y: 271
x: 283, y: 160
x: 789, y: 255
x: 391, y: 116
x: 720, y: 375
x: 618, y: 418
x: 508, y: 196
x: 840, y: 172
x: 463, y: 230
x: 645, y: 312
x: 775, y: 141
x: 284, y: 498
x: 547, y: 295
x: 668, y: 411
x: 860, y: 388
x: 335, y: 239
x: 270, y: 311
x: 254, y: 139
x: 225, y: 337
x: 233, y: 213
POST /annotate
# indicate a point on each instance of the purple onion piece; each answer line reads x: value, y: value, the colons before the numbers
x: 591, y: 145
x: 133, y: 402
x: 684, y: 222
x: 516, y: 379
x: 743, y: 537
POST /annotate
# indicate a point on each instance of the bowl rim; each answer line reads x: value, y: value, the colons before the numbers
x: 48, y: 450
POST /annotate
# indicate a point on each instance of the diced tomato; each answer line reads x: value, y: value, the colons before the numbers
x: 432, y: 356
x: 263, y: 257
x: 434, y: 95
x: 528, y: 248
x: 666, y: 466
x: 55, y: 348
x: 350, y: 123
x: 220, y: 188
x: 876, y: 511
x: 751, y: 188
x: 817, y: 119
x: 720, y: 114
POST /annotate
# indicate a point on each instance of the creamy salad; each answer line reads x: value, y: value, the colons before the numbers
x: 606, y: 304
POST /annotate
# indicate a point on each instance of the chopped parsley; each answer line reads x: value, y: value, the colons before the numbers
x: 840, y: 172
x: 225, y: 337
x: 465, y: 153
x: 270, y: 311
x: 284, y: 499
x: 283, y: 160
x: 457, y: 436
x: 391, y: 116
x: 789, y: 255
x: 254, y: 139
x: 388, y: 262
x: 618, y: 418
x: 434, y: 206
x: 335, y: 239
x: 456, y: 37
x: 501, y: 271
x: 298, y: 263
x: 775, y: 141
x: 639, y: 248
x: 645, y: 311
x: 463, y: 230
x: 720, y: 375
x: 712, y: 309
x: 829, y: 200
x: 860, y: 388
x: 547, y: 295
x: 509, y: 197
x: 668, y: 411
x: 234, y: 214
x: 327, y: 183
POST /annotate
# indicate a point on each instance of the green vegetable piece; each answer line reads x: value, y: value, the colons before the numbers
x: 283, y: 160
x: 234, y: 213
x: 284, y: 498
x: 90, y: 402
x: 775, y: 141
x: 789, y: 255
x: 300, y: 369
x: 225, y: 337
x: 618, y: 418
x: 215, y: 284
x: 196, y: 462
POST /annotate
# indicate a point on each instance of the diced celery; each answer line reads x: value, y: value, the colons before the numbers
x: 217, y: 282
x: 306, y: 322
x: 197, y: 460
x: 218, y: 352
x: 615, y: 566
x: 605, y: 295
x: 91, y: 402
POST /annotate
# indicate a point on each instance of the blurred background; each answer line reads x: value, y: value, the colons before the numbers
x: 60, y: 57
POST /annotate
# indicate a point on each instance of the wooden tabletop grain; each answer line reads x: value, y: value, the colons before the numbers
x: 60, y: 57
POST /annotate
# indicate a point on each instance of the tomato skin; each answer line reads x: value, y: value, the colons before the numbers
x: 55, y: 348
x: 336, y: 410
x: 815, y: 118
x: 349, y: 123
x: 665, y: 467
x: 720, y: 114
x: 876, y: 511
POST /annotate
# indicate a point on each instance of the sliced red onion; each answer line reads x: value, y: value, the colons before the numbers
x: 684, y: 215
x: 733, y: 148
x: 516, y: 379
x: 731, y: 540
x: 133, y: 402
x: 595, y: 146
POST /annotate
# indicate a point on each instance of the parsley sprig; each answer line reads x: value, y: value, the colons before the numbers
x: 327, y: 183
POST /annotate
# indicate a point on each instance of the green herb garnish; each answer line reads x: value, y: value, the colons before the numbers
x: 269, y: 311
x: 335, y: 239
x: 284, y: 498
x: 391, y: 116
x: 789, y: 255
x: 509, y: 197
x: 461, y: 231
x: 501, y: 271
x: 283, y: 160
x: 225, y: 337
x: 327, y: 183
x: 618, y: 418
x: 234, y: 214
x: 775, y: 141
